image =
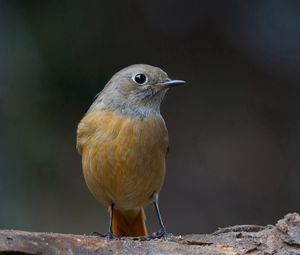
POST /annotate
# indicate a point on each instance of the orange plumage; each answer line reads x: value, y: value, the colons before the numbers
x: 123, y: 158
x: 123, y: 144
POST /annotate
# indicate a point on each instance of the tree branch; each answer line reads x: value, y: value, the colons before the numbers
x: 283, y: 238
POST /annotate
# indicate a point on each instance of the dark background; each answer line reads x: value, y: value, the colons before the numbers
x: 234, y: 129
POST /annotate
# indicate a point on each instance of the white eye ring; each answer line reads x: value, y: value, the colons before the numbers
x: 140, y: 78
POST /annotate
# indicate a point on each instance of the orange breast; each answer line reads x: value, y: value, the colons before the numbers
x: 123, y: 158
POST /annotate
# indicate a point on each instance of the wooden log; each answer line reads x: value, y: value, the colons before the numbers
x: 283, y: 238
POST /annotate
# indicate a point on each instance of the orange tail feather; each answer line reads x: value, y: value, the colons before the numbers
x: 129, y: 223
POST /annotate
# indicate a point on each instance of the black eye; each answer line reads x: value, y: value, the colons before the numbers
x: 140, y: 78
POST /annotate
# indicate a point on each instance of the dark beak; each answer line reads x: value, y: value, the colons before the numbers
x: 172, y: 83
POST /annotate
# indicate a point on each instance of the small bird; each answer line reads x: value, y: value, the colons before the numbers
x: 123, y: 141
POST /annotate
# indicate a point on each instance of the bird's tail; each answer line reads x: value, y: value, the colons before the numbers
x: 129, y: 223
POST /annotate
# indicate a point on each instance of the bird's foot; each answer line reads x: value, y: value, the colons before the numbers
x: 160, y: 234
x: 109, y: 236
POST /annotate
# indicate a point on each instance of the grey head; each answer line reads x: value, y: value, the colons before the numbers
x: 136, y: 90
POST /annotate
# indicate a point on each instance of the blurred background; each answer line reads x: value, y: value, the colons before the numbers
x: 234, y: 129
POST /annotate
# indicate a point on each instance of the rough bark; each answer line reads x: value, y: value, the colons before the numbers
x: 283, y: 238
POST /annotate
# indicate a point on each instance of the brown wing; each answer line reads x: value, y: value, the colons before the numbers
x: 86, y: 128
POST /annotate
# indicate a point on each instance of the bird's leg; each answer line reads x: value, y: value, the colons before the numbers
x: 110, y: 234
x: 162, y: 232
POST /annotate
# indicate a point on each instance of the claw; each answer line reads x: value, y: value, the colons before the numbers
x: 162, y: 233
x: 110, y: 236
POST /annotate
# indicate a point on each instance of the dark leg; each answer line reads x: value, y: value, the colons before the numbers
x: 162, y: 231
x: 110, y: 234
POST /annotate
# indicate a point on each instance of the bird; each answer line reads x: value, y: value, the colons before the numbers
x: 123, y: 142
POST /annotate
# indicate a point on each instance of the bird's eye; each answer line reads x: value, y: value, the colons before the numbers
x: 140, y: 78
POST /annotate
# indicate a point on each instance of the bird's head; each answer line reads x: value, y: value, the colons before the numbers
x: 137, y: 90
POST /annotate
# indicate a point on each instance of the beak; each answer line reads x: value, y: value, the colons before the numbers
x: 172, y: 83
